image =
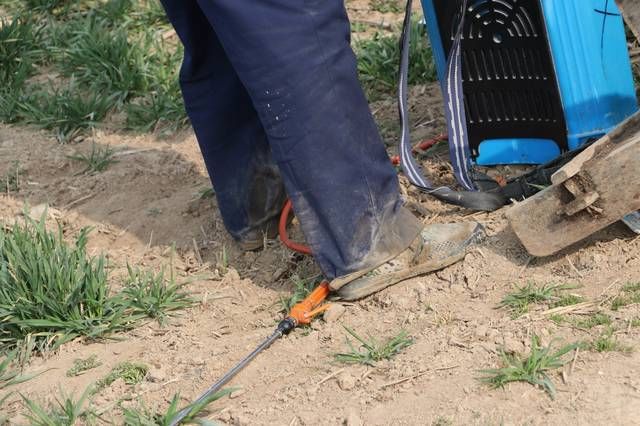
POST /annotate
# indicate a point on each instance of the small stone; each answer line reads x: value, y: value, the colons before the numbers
x: 346, y: 381
x: 236, y: 394
x: 334, y: 312
x: 457, y: 289
x: 240, y: 420
x: 513, y: 345
x: 224, y: 416
x: 493, y: 335
x: 481, y: 331
x: 353, y: 419
x: 157, y: 375
x: 38, y: 211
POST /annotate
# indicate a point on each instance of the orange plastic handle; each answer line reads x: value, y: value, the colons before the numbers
x: 304, y: 311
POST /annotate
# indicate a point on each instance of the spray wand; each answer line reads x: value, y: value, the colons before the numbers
x: 301, y: 314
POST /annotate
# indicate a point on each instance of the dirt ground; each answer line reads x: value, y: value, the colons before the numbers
x: 149, y: 201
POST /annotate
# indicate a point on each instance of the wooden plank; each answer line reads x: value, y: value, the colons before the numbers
x: 621, y: 133
x: 543, y: 223
x: 631, y: 11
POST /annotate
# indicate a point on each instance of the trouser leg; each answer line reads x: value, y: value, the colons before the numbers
x: 295, y: 60
x: 232, y: 139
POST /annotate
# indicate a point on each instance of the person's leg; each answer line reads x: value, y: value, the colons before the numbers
x: 232, y: 139
x: 296, y: 62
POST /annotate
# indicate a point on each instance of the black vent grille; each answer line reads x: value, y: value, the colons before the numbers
x: 509, y: 83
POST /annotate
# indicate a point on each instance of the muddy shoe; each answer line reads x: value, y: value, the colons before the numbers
x: 437, y: 246
x: 254, y: 240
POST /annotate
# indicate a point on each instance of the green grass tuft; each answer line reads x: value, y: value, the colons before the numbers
x: 371, y: 351
x: 161, y: 108
x: 54, y: 7
x: 205, y: 193
x: 145, y: 417
x: 96, y: 161
x: 386, y: 6
x: 81, y: 366
x: 594, y: 321
x: 567, y: 300
x: 10, y: 182
x: 519, y: 301
x: 106, y: 60
x: 131, y: 374
x: 20, y: 41
x: 607, y: 342
x: 52, y: 291
x: 558, y: 319
x: 65, y: 412
x: 302, y: 288
x: 630, y: 295
x: 533, y: 369
x: 67, y: 111
x: 153, y: 295
x: 378, y: 60
x: 11, y: 375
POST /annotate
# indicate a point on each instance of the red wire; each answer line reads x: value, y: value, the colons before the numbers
x: 287, y: 209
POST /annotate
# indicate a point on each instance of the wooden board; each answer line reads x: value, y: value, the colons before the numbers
x: 592, y: 192
x: 631, y: 12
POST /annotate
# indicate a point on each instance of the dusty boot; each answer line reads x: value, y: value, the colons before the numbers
x: 255, y: 239
x: 437, y: 246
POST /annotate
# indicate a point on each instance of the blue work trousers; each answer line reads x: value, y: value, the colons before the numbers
x: 272, y: 91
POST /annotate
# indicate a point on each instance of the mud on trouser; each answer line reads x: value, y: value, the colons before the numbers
x: 272, y: 91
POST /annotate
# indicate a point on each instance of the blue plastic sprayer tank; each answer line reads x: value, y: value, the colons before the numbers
x: 518, y: 113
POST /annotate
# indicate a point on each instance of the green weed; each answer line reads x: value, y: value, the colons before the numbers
x: 607, y: 342
x: 205, y: 193
x: 20, y: 41
x: 386, y: 6
x: 149, y: 13
x: 558, y: 319
x: 65, y: 412
x: 594, y: 321
x: 533, y: 369
x: 131, y: 374
x: 222, y: 260
x: 52, y: 291
x: 115, y: 11
x: 630, y: 295
x: 567, y: 300
x: 144, y: 417
x: 371, y: 351
x: 358, y: 27
x: 81, y: 366
x: 153, y: 295
x: 10, y: 182
x: 442, y: 421
x: 635, y: 322
x: 106, y: 60
x: 67, y: 111
x: 379, y: 56
x: 11, y: 375
x: 161, y: 108
x: 54, y: 7
x: 95, y: 161
x: 302, y: 288
x: 519, y: 301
